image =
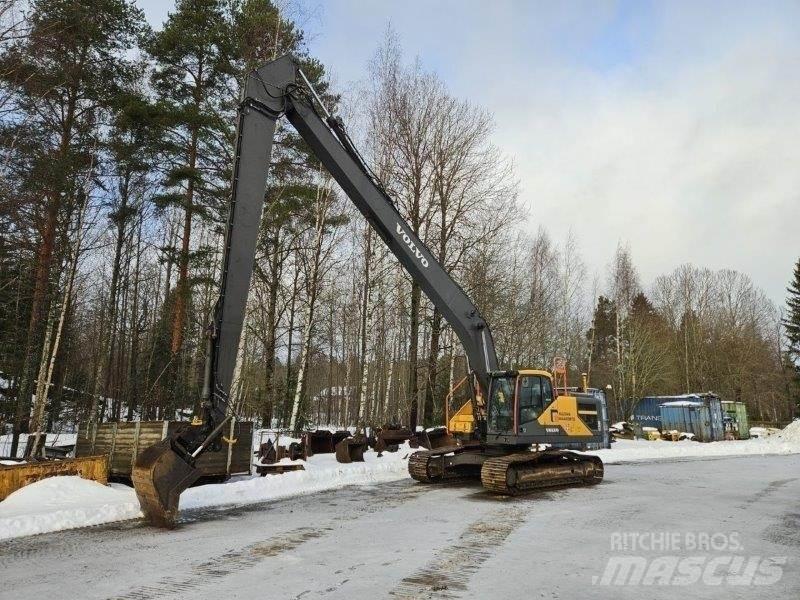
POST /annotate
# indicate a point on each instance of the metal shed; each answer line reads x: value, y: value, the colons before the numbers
x: 737, y: 412
x: 701, y: 418
x: 122, y: 442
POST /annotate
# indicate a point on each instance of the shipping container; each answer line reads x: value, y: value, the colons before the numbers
x: 123, y: 442
x: 737, y: 412
x: 647, y: 412
x: 716, y: 414
x: 703, y: 418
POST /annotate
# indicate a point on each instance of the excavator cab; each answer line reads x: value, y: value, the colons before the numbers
x: 523, y: 409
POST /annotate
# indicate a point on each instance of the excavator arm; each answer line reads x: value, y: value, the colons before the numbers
x: 278, y: 89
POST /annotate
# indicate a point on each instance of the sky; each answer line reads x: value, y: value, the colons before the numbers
x: 669, y: 127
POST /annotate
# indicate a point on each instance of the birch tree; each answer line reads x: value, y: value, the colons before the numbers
x: 318, y: 253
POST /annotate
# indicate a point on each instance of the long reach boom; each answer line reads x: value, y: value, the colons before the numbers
x: 279, y: 89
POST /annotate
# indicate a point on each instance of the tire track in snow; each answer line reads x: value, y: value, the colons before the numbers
x: 38, y: 550
x: 228, y: 563
x: 450, y: 571
x: 224, y: 565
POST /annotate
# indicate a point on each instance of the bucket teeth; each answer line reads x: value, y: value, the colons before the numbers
x: 159, y: 476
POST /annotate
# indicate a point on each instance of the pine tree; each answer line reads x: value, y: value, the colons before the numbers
x: 603, y: 324
x: 132, y: 146
x: 792, y: 326
x: 192, y: 54
x: 63, y: 75
x: 792, y: 321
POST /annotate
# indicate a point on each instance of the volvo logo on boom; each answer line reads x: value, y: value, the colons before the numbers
x: 407, y: 239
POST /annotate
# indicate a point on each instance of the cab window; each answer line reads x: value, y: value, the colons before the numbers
x: 501, y: 405
x: 533, y: 396
x: 547, y: 391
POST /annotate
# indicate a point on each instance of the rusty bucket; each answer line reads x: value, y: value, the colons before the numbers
x: 351, y: 449
x: 159, y: 477
x: 438, y: 437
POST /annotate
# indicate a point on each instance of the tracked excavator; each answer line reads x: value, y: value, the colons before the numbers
x: 514, y: 433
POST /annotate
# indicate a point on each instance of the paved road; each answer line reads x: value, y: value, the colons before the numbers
x: 712, y: 526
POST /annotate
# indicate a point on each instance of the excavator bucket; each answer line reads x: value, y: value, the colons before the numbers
x: 159, y: 476
x: 435, y: 438
x: 351, y: 449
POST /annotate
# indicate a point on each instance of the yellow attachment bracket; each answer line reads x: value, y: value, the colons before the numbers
x: 447, y: 400
x: 229, y: 441
x: 197, y: 421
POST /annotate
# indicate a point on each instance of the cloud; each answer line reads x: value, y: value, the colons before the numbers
x: 668, y: 125
x: 672, y: 127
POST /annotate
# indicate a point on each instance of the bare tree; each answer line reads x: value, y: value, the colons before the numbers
x: 314, y: 258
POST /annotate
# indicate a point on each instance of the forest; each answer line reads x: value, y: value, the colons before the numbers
x: 116, y: 146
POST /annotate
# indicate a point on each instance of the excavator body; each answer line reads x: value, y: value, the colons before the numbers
x: 496, y: 438
x: 519, y: 409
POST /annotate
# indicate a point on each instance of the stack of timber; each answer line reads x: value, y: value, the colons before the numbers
x: 123, y: 442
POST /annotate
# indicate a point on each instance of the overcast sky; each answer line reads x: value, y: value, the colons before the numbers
x: 673, y: 127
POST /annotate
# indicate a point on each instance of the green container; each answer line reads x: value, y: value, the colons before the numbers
x: 738, y: 412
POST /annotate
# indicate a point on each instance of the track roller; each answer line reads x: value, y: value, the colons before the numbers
x: 449, y: 464
x: 530, y: 471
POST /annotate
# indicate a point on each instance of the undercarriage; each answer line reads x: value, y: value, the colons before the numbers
x: 506, y: 470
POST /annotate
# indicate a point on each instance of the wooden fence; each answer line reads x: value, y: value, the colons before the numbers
x: 124, y: 441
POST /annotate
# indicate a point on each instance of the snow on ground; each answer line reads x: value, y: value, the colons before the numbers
x: 791, y: 433
x: 65, y: 503
x: 322, y: 472
x: 68, y: 502
x: 786, y: 441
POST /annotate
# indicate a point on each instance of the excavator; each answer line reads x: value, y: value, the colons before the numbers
x: 515, y: 432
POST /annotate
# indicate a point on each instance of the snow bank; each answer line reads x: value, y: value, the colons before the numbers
x: 791, y: 433
x: 65, y: 502
x: 60, y: 503
x: 622, y: 451
x: 321, y: 473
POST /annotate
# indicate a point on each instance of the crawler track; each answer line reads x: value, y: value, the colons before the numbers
x: 428, y: 466
x: 529, y: 471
